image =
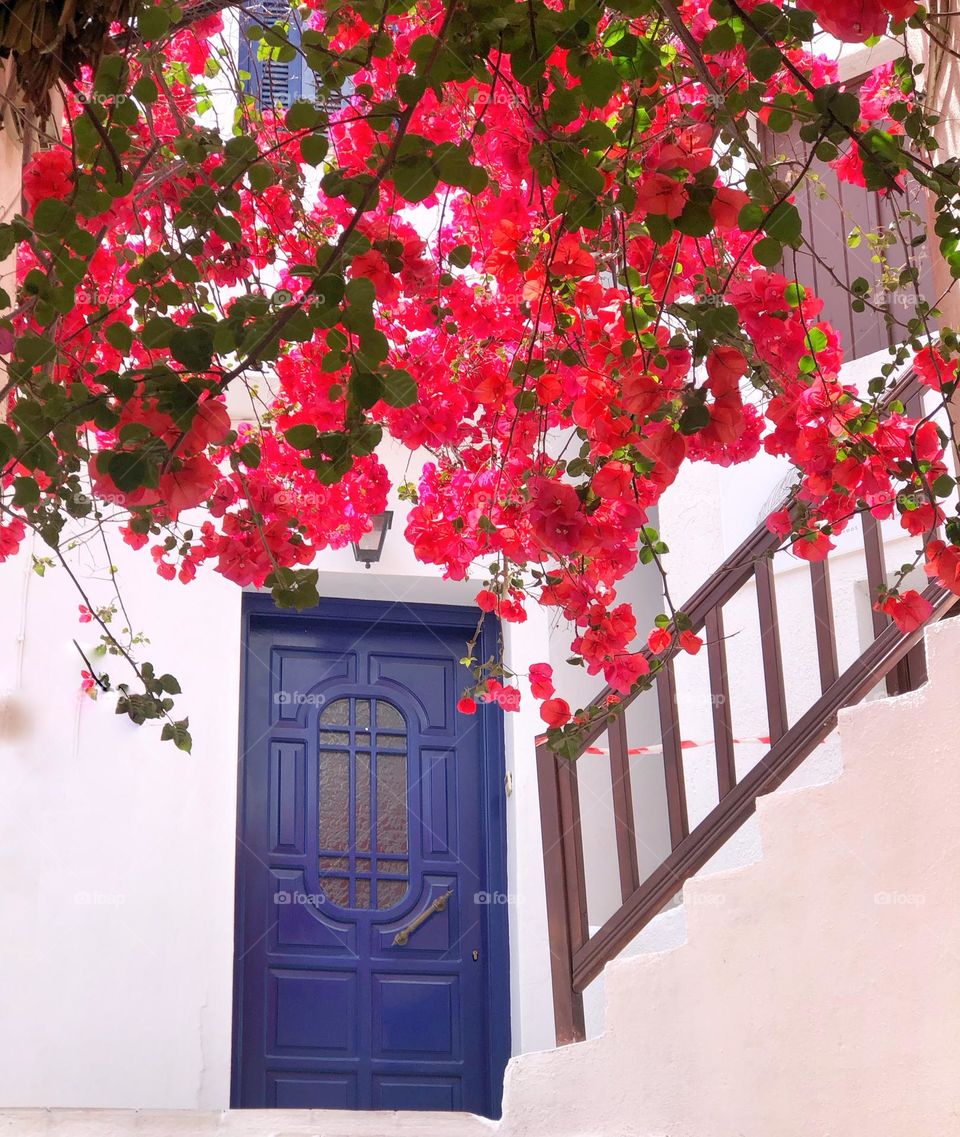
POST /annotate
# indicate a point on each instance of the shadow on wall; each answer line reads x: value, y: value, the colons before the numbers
x: 15, y: 719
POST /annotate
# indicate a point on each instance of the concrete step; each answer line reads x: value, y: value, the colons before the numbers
x: 239, y: 1123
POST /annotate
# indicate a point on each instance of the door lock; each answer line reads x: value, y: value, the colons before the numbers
x: 475, y: 954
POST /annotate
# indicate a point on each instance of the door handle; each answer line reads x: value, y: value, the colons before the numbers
x: 437, y: 906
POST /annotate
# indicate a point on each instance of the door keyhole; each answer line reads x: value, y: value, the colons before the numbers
x: 475, y: 954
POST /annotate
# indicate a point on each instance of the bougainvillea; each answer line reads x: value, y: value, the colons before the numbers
x: 537, y: 240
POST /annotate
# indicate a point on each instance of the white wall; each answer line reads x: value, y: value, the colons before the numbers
x: 117, y: 850
x: 822, y: 996
x: 116, y: 854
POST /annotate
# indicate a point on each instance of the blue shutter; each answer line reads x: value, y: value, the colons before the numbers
x: 272, y: 82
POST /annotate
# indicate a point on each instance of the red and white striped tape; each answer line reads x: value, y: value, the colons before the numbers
x: 686, y: 744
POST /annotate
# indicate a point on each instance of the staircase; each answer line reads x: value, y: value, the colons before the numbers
x: 822, y: 996
x: 578, y: 953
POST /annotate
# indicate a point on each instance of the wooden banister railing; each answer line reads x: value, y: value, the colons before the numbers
x: 578, y: 957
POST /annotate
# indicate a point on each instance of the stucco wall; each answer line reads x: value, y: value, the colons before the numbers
x: 117, y: 850
x: 823, y: 995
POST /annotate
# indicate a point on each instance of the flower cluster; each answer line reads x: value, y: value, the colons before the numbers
x: 528, y: 246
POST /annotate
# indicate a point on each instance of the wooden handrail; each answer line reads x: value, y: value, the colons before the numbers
x: 577, y: 958
x: 779, y: 762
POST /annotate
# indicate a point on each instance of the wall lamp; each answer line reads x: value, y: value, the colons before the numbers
x: 368, y: 549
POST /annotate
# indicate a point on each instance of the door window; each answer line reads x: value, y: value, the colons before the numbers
x: 363, y: 804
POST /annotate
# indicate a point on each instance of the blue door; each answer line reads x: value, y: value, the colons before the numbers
x: 371, y: 968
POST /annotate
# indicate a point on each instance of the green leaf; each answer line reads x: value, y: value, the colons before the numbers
x: 127, y: 468
x: 177, y: 733
x: 750, y: 217
x: 302, y: 436
x: 763, y: 62
x: 303, y: 115
x: 459, y: 256
x: 599, y: 81
x: 26, y: 492
x: 249, y: 455
x: 145, y: 90
x: 401, y: 389
x: 720, y: 38
x: 816, y: 340
x: 193, y: 347
x: 779, y: 120
x: 52, y: 216
x: 314, y: 148
x: 783, y: 223
x: 361, y: 292
x: 152, y: 23
x: 260, y: 175
x: 119, y: 336
x: 794, y: 294
x: 294, y: 588
x: 111, y: 75
x: 695, y: 417
x: 660, y: 228
x: 34, y: 350
x: 366, y: 388
x: 415, y: 178
x: 695, y: 221
x: 845, y: 108
x: 329, y: 290
x: 596, y: 136
x: 564, y: 106
x: 768, y: 252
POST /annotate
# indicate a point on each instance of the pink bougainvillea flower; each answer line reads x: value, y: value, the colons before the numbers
x: 726, y: 205
x: 689, y: 642
x: 541, y: 680
x: 571, y: 258
x: 908, y: 610
x: 812, y: 545
x: 48, y: 174
x: 661, y: 194
x: 933, y: 369
x: 373, y: 265
x: 851, y: 21
x: 943, y: 564
x: 659, y: 640
x: 555, y: 712
x: 486, y: 600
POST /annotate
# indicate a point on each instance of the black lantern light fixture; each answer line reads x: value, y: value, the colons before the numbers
x: 368, y: 549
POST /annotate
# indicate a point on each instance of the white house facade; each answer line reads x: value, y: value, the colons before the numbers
x: 342, y: 896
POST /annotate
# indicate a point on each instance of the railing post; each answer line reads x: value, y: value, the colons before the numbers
x: 824, y: 624
x: 770, y: 650
x: 623, y: 817
x: 564, y: 886
x: 672, y: 755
